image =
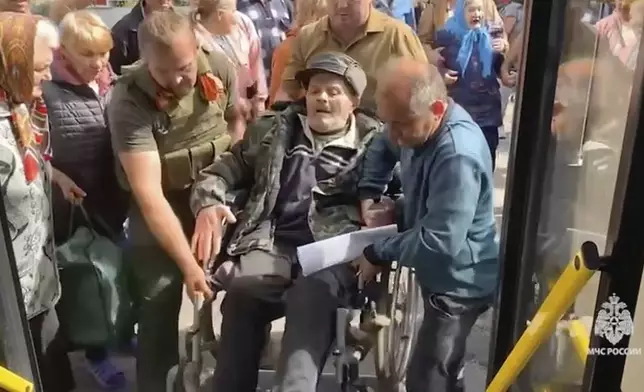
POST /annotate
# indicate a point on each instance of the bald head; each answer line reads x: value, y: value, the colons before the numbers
x: 404, y: 67
x: 410, y: 85
x: 412, y: 99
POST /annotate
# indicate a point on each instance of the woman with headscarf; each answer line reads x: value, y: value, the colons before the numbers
x: 433, y: 18
x: 472, y: 50
x: 26, y: 44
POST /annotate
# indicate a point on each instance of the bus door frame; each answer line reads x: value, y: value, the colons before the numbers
x: 16, y: 345
x: 526, y: 173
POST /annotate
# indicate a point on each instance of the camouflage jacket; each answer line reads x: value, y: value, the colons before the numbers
x: 255, y: 165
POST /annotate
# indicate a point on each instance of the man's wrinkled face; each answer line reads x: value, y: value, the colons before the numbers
x: 175, y: 69
x: 406, y: 128
x: 474, y: 13
x: 347, y: 14
x: 157, y: 5
x: 329, y: 102
x: 20, y: 6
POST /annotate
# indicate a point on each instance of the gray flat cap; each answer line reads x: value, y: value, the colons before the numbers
x: 336, y: 63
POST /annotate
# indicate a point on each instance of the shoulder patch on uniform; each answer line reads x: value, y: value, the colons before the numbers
x: 218, y: 82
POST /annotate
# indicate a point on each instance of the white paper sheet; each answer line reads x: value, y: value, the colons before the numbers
x: 341, y: 249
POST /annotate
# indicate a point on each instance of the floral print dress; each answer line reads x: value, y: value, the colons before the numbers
x: 29, y: 217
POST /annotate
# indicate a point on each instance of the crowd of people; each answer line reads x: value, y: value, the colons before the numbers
x: 308, y: 106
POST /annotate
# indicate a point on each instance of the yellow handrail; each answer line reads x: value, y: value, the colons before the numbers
x: 12, y: 382
x: 580, y: 338
x: 559, y: 300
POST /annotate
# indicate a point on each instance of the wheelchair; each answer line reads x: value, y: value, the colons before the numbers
x: 382, y: 320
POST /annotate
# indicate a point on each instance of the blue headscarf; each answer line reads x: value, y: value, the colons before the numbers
x: 458, y: 26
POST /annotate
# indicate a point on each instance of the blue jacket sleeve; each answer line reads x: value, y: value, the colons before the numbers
x: 377, y: 167
x: 451, y: 206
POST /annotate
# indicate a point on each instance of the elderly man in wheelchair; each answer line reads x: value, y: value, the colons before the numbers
x: 300, y: 167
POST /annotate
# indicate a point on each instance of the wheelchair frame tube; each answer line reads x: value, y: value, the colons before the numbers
x: 559, y: 300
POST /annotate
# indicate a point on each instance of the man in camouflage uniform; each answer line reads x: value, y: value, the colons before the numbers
x: 301, y: 167
x: 168, y: 117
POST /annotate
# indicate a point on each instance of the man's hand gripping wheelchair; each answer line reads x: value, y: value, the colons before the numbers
x: 389, y: 311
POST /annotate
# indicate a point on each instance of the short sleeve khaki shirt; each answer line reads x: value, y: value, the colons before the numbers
x: 133, y: 115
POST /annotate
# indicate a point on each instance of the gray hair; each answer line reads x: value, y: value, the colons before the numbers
x: 426, y: 87
x: 47, y: 31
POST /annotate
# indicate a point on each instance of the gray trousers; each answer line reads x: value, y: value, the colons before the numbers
x: 267, y: 288
x: 437, y: 361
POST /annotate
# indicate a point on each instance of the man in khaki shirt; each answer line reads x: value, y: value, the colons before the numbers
x: 358, y: 30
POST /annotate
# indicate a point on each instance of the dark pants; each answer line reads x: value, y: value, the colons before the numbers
x: 437, y: 362
x: 311, y: 306
x: 255, y: 298
x: 51, y: 353
x: 156, y: 283
x: 492, y: 138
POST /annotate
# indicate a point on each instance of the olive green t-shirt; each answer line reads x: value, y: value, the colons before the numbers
x: 134, y: 117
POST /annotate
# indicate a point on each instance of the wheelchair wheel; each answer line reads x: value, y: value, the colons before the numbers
x: 402, y: 304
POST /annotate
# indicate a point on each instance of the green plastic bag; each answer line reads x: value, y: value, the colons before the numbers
x: 95, y: 306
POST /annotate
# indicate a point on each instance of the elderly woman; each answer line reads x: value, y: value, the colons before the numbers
x: 437, y: 13
x: 26, y: 44
x: 221, y: 27
x: 83, y: 161
x: 306, y: 11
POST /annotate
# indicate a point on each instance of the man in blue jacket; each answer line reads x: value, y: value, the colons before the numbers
x: 448, y: 228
